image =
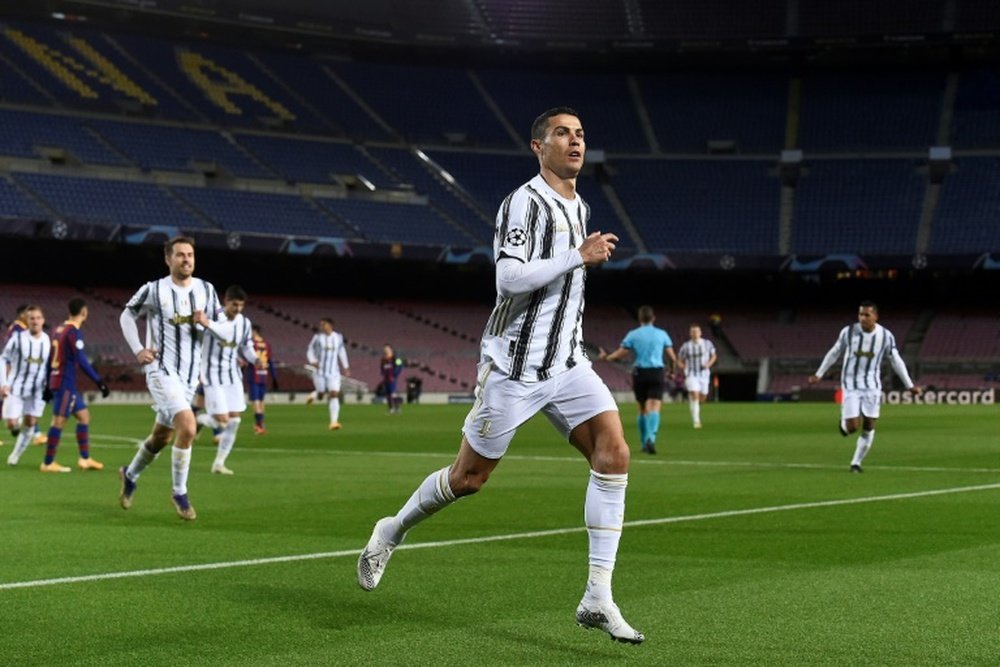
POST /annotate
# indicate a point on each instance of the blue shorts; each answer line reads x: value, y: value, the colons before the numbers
x: 257, y: 391
x: 67, y: 401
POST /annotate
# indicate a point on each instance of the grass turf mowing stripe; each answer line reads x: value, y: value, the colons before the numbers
x: 496, y: 538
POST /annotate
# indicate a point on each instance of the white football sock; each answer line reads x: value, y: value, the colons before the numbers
x: 433, y: 494
x: 604, y: 514
x: 181, y: 464
x: 140, y: 461
x: 226, y: 440
x: 864, y: 444
x: 334, y: 410
x: 23, y: 441
x: 695, y: 411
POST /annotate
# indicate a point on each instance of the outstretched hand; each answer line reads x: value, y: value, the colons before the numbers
x: 597, y: 248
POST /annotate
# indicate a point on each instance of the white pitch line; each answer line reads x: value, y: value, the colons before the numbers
x: 36, y: 583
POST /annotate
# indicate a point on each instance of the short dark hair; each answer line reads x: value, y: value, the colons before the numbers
x: 646, y: 314
x: 541, y: 123
x: 328, y: 320
x: 20, y: 309
x: 868, y: 304
x: 168, y: 247
x: 235, y: 292
x: 76, y: 306
x: 255, y: 327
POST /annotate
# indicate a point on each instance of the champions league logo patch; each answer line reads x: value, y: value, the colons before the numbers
x: 516, y: 237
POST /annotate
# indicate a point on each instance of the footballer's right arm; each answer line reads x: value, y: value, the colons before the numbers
x: 131, y: 332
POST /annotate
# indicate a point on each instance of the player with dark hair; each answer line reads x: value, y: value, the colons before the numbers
x: 864, y: 346
x: 532, y: 360
x: 171, y: 359
x: 648, y: 344
x: 26, y: 355
x: 390, y: 366
x: 327, y: 358
x: 257, y: 376
x: 221, y: 375
x: 68, y: 354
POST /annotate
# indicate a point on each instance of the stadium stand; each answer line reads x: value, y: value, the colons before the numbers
x: 461, y: 115
x: 687, y: 111
x: 864, y: 207
x: 173, y: 148
x: 846, y: 112
x: 681, y: 205
x: 969, y: 197
x: 263, y: 213
x: 110, y: 202
x: 338, y: 122
x: 314, y: 160
x: 57, y: 137
x: 14, y: 203
x: 961, y: 337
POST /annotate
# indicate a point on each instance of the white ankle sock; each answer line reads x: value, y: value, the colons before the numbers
x: 226, y: 441
x: 334, y: 410
x: 604, y: 514
x: 864, y: 444
x: 140, y: 461
x: 181, y: 464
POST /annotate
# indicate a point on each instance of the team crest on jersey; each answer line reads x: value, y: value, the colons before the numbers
x: 516, y: 237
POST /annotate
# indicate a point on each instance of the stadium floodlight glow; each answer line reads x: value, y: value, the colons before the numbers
x: 365, y: 182
x: 59, y: 16
x: 448, y: 177
x: 422, y: 155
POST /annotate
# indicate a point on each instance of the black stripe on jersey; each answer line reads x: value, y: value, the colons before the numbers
x: 570, y: 358
x: 177, y: 331
x: 869, y: 358
x: 159, y: 315
x: 857, y: 353
x: 555, y: 328
x: 498, y: 318
x: 548, y: 237
x: 32, y: 380
x: 194, y: 332
x: 501, y: 232
x: 523, y: 341
x: 569, y: 223
x: 135, y: 305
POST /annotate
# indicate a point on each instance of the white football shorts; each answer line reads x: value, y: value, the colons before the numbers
x: 697, y: 383
x: 325, y: 383
x: 15, y: 407
x: 221, y: 399
x: 858, y: 402
x: 502, y: 405
x: 170, y: 395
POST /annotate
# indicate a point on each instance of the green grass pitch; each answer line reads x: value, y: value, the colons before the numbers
x: 751, y: 545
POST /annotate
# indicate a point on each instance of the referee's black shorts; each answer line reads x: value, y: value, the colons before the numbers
x: 647, y: 383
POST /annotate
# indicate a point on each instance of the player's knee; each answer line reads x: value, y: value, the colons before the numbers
x: 467, y: 483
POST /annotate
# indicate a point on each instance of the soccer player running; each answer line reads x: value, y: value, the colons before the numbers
x: 696, y: 358
x: 864, y: 347
x: 22, y: 383
x: 222, y: 376
x: 533, y: 361
x: 390, y: 366
x: 20, y: 323
x: 327, y: 356
x: 68, y: 354
x: 171, y: 359
x: 258, y: 375
x: 648, y: 344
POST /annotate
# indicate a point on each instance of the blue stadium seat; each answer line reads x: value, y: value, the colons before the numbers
x: 969, y: 208
x: 695, y: 206
x: 858, y: 206
x: 108, y: 202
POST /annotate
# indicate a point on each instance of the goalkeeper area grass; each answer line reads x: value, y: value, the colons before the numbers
x: 746, y: 543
